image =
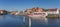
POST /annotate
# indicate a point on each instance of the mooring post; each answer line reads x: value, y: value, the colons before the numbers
x: 24, y: 21
x: 29, y: 21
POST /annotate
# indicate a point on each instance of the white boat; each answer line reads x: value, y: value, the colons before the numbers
x: 38, y: 14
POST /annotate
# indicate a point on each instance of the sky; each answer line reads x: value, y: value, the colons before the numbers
x: 26, y: 4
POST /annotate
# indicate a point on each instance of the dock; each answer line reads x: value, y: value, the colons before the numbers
x: 53, y: 16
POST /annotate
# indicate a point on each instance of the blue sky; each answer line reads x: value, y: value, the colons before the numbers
x: 25, y: 4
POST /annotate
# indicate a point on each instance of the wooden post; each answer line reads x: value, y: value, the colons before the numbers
x: 29, y: 21
x: 24, y: 21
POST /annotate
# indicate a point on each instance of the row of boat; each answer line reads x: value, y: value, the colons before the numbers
x: 38, y: 14
x: 34, y: 14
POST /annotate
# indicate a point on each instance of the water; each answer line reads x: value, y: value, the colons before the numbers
x: 17, y: 21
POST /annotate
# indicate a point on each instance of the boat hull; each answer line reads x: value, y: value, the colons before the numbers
x: 38, y: 15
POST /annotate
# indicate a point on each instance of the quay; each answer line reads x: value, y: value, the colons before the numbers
x: 53, y: 16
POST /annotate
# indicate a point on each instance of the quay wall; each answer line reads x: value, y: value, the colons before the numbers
x: 53, y: 15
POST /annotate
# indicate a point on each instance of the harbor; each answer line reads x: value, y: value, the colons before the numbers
x: 29, y: 13
x: 51, y: 13
x: 18, y: 21
x: 30, y: 18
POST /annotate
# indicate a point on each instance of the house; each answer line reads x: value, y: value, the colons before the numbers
x: 34, y: 10
x: 39, y: 9
x: 28, y: 11
x: 53, y: 11
x: 2, y: 12
x: 59, y: 11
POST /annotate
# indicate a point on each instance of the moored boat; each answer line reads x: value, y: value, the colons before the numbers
x: 14, y: 13
x: 38, y: 14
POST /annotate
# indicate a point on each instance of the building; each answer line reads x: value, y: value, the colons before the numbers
x: 59, y: 11
x: 53, y: 11
x: 39, y: 9
x: 34, y: 10
x: 28, y: 11
x: 3, y: 12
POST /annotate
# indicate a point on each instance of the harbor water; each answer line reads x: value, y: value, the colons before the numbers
x: 17, y: 21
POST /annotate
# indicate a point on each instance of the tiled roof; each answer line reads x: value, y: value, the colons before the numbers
x: 52, y: 9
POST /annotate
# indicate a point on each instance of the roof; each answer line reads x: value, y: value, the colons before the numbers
x: 52, y: 9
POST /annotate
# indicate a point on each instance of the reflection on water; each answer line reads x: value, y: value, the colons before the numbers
x: 17, y: 21
x: 11, y: 21
x: 46, y: 22
x: 1, y: 18
x: 54, y: 22
x: 39, y: 22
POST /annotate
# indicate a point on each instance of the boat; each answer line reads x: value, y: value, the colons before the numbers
x: 38, y: 14
x: 14, y: 13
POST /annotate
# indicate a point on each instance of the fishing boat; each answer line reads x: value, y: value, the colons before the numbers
x: 38, y: 14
